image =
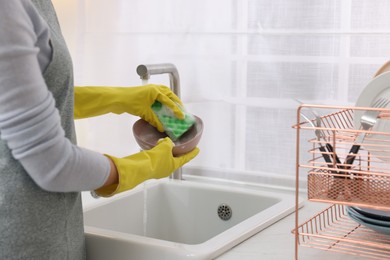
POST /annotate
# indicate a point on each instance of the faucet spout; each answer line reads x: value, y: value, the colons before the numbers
x: 145, y: 71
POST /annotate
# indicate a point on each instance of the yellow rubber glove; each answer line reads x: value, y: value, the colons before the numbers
x: 94, y: 101
x: 155, y: 163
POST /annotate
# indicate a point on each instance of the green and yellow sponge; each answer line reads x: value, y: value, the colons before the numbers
x: 173, y: 126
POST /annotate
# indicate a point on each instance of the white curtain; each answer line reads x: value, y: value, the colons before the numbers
x: 241, y: 62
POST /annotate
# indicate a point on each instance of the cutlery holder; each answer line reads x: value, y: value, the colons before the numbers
x: 367, y: 181
x: 365, y: 190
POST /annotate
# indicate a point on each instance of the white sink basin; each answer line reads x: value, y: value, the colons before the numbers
x: 170, y: 219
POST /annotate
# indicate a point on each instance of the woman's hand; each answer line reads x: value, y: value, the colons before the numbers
x: 156, y: 163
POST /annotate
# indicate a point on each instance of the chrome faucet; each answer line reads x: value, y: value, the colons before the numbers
x: 144, y: 71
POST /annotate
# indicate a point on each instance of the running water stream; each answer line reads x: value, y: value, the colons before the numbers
x: 145, y: 215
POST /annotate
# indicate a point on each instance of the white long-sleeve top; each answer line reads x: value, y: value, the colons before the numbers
x: 30, y: 123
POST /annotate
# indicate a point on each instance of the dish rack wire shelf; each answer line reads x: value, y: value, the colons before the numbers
x: 363, y: 183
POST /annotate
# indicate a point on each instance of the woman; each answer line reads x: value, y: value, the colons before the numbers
x: 42, y: 171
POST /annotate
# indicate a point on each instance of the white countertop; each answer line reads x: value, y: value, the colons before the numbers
x: 277, y: 242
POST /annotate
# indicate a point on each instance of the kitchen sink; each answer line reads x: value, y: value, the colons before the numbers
x: 173, y: 219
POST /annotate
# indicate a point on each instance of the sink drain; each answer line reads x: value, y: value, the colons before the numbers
x: 224, y: 211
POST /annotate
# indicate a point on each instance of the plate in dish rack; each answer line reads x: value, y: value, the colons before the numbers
x: 377, y: 228
x: 369, y: 220
x: 376, y: 88
x: 385, y: 68
x: 373, y: 213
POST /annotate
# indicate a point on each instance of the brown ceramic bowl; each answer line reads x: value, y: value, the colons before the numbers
x: 147, y: 136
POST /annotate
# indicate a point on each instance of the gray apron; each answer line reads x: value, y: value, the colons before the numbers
x: 36, y: 224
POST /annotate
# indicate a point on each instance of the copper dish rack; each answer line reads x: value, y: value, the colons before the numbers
x: 365, y: 183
